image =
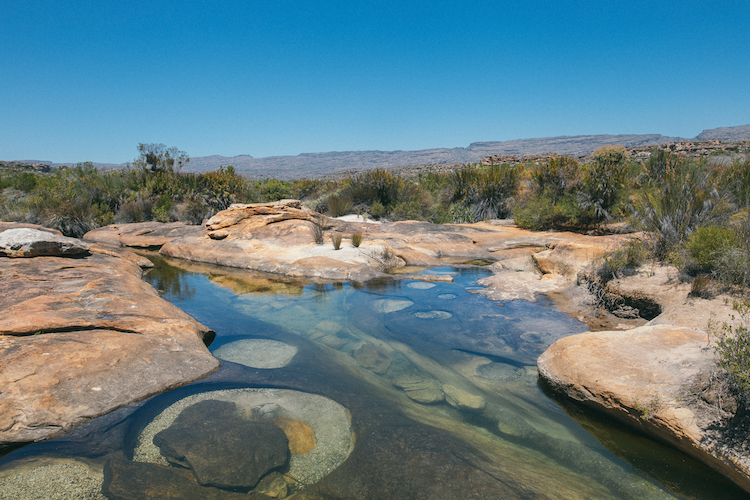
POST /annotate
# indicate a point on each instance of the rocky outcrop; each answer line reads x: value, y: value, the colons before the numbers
x: 25, y: 242
x: 82, y: 336
x: 141, y: 234
x: 642, y: 377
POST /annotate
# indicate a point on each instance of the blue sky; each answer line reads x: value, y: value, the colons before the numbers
x: 88, y: 80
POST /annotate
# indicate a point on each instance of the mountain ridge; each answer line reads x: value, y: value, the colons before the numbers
x: 329, y: 163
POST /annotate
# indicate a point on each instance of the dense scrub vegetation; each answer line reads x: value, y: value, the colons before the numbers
x: 696, y: 213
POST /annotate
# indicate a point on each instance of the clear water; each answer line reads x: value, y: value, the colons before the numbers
x: 437, y: 331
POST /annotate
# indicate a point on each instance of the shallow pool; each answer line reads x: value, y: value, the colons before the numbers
x: 406, y: 388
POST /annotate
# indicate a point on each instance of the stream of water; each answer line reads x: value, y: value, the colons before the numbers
x: 425, y: 371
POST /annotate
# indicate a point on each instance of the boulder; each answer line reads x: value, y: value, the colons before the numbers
x: 26, y: 242
x: 82, y: 337
x: 641, y: 377
x: 221, y: 447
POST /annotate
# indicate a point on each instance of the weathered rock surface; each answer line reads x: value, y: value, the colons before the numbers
x: 141, y: 234
x: 420, y: 389
x: 373, y: 358
x: 640, y: 377
x: 221, y: 447
x: 26, y: 242
x: 81, y: 337
x: 462, y: 400
x: 125, y: 480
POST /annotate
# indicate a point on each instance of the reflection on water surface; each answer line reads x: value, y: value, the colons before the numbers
x: 440, y: 386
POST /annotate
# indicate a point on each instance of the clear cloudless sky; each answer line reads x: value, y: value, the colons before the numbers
x: 87, y: 80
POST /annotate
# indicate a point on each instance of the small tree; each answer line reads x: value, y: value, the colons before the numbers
x: 160, y: 158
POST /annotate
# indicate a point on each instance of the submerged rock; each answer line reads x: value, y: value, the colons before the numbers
x: 124, y: 480
x: 221, y: 447
x: 373, y: 358
x: 257, y: 353
x: 420, y: 389
x: 463, y: 400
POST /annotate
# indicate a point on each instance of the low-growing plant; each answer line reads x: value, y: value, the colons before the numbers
x: 356, y: 239
x: 338, y: 205
x: 706, y: 245
x: 733, y: 349
x: 336, y: 240
x: 316, y: 230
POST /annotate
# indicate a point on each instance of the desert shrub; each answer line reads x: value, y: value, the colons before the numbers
x: 336, y: 240
x: 220, y: 188
x: 683, y: 201
x: 545, y: 212
x: 706, y: 245
x: 274, y: 190
x: 460, y: 213
x: 558, y: 175
x: 733, y: 350
x: 338, y: 205
x: 736, y: 182
x: 602, y: 180
x: 623, y: 261
x: 194, y: 210
x: 134, y: 211
x: 316, y: 231
x: 378, y: 210
x: 494, y: 192
x: 356, y: 239
x: 378, y: 185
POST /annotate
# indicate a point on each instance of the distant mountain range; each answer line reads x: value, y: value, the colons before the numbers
x: 313, y: 165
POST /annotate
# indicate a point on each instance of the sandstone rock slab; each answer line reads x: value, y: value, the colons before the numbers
x: 81, y: 337
x: 26, y: 242
x: 640, y: 377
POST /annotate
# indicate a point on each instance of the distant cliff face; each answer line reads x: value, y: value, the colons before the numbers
x: 314, y: 165
x: 726, y: 134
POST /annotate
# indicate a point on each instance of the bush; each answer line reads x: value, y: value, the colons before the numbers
x: 544, y: 212
x: 560, y: 174
x: 336, y: 240
x: 356, y: 240
x: 706, y: 245
x: 683, y: 201
x: 733, y: 350
x: 338, y: 205
x: 602, y: 180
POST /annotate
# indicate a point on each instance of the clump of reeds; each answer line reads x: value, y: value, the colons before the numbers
x: 356, y: 239
x: 336, y: 240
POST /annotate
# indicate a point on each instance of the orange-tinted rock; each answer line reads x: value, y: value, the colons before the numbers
x: 80, y: 337
x: 141, y: 234
x: 641, y: 377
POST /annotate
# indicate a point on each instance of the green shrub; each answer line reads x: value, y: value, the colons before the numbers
x: 683, y: 201
x: 356, y: 239
x: 338, y: 205
x: 733, y: 349
x: 543, y: 213
x: 707, y: 244
x: 603, y: 180
x: 378, y: 185
x: 558, y: 175
x: 460, y: 213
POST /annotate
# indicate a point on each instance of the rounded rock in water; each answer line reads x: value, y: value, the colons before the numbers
x: 257, y: 353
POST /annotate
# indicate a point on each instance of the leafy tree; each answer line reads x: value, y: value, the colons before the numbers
x: 159, y: 158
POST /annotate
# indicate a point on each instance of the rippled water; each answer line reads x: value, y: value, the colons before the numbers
x: 435, y: 380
